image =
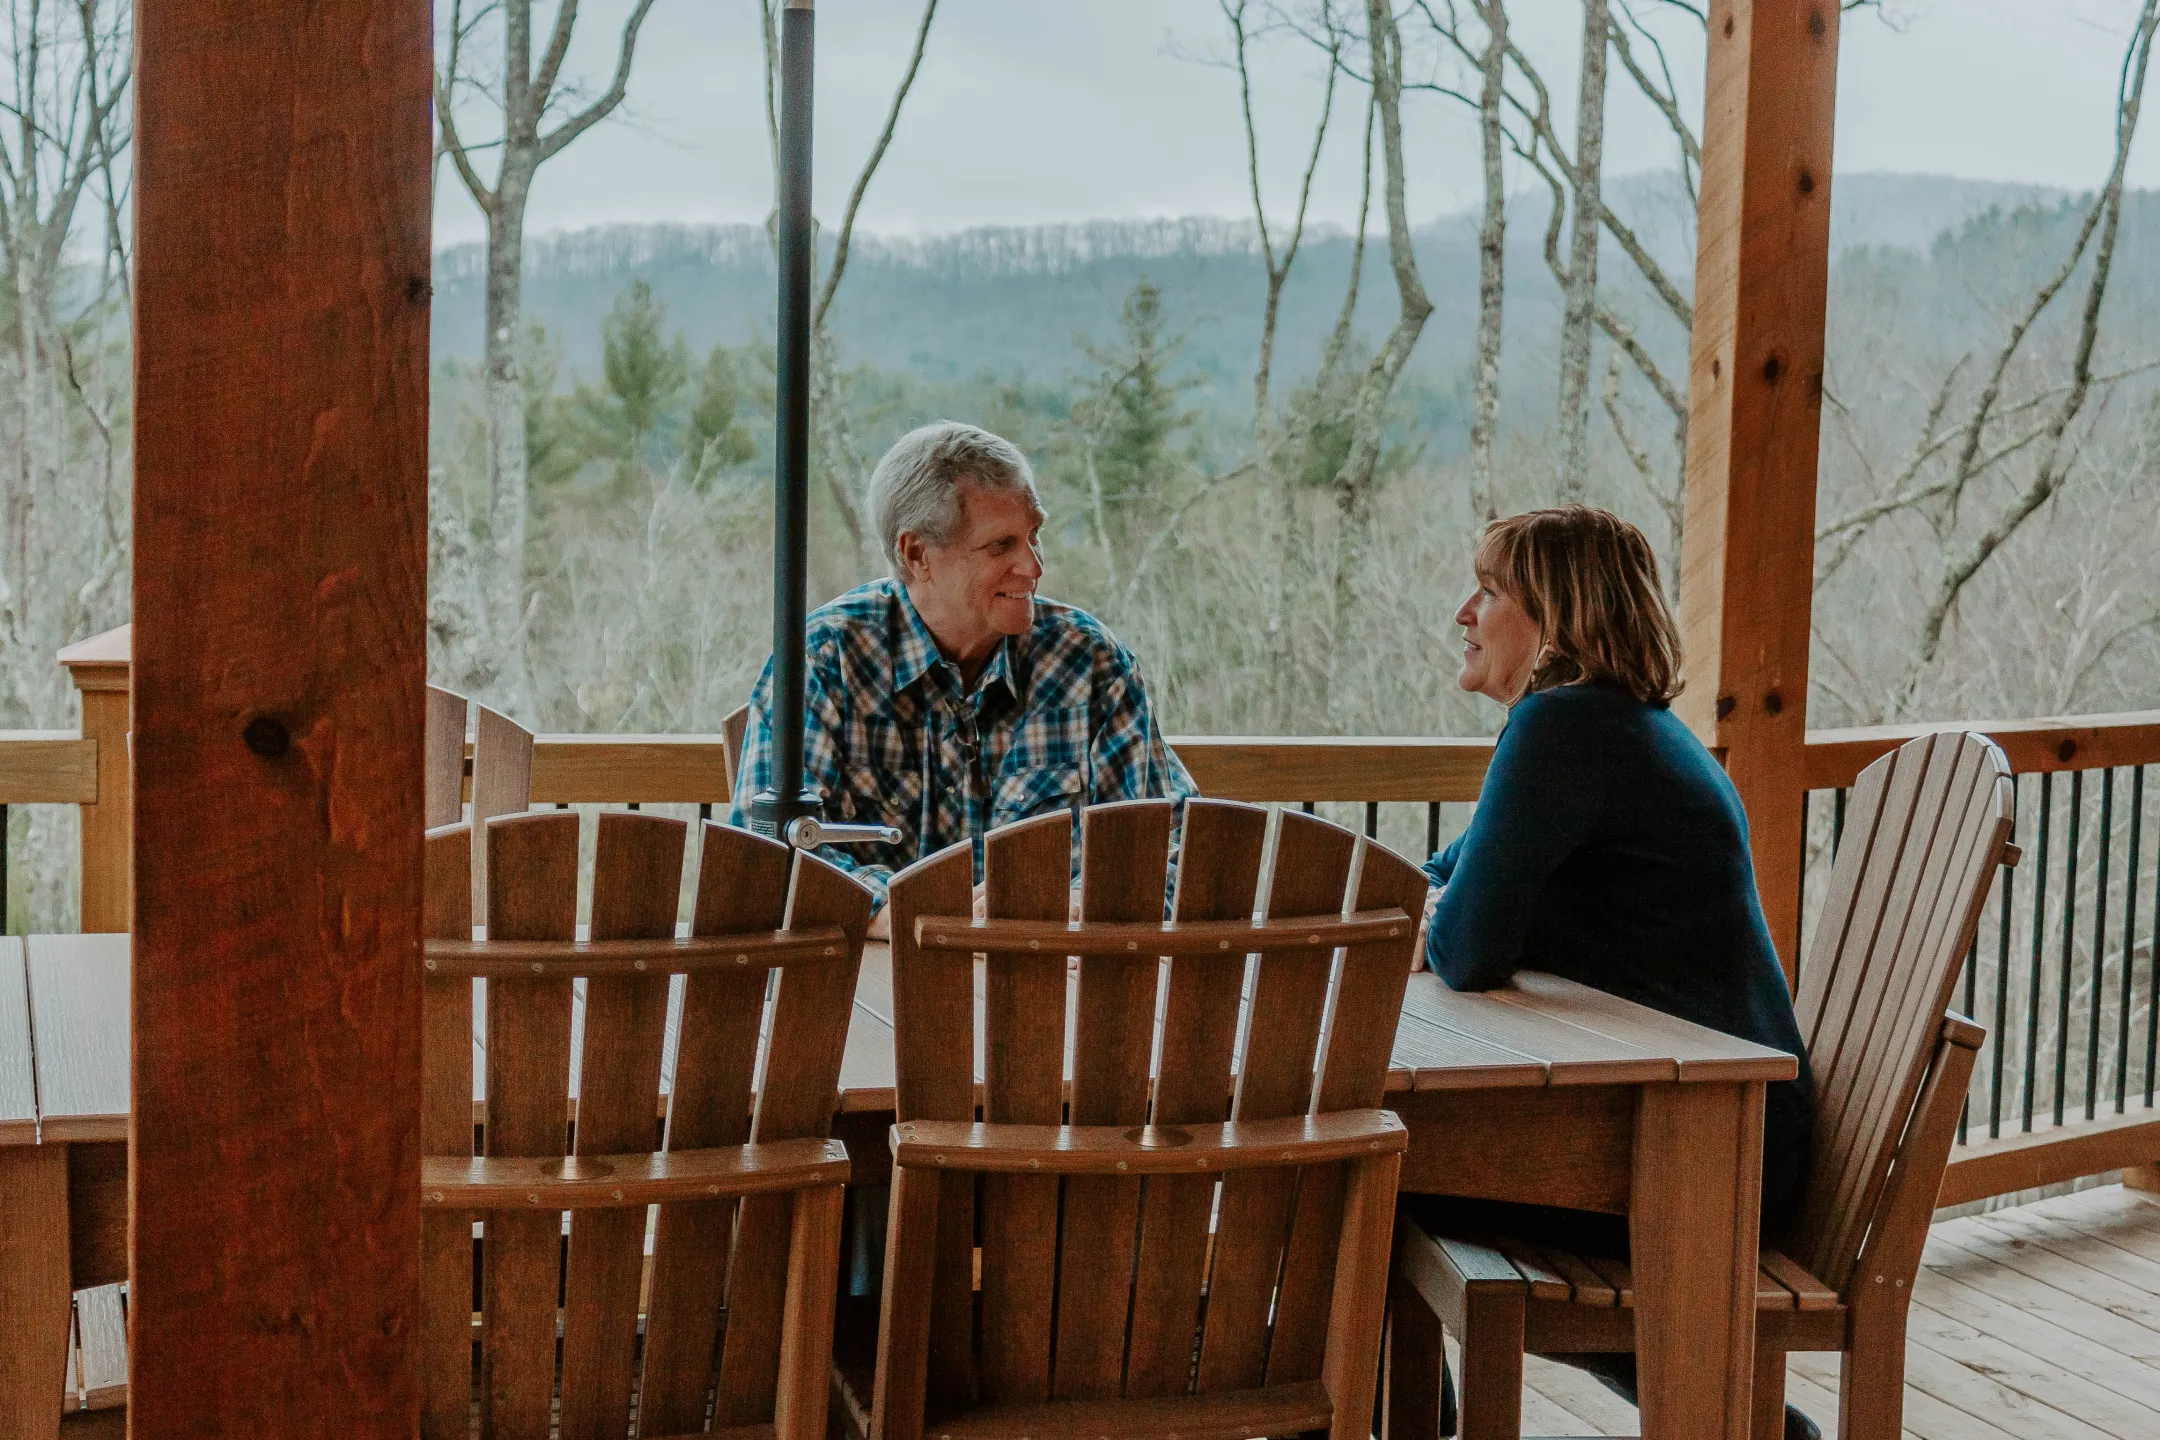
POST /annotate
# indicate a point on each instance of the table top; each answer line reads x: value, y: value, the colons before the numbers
x: 64, y: 1039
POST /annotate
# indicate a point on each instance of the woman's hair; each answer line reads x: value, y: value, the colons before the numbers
x: 1589, y: 581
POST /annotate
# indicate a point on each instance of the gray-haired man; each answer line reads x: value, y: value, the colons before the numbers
x: 950, y: 699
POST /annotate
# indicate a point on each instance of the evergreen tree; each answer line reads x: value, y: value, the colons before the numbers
x: 644, y: 376
x: 1129, y: 417
x: 717, y: 440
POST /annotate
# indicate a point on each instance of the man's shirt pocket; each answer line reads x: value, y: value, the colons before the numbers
x: 1036, y: 790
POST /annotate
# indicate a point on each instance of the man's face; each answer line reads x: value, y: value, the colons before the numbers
x: 981, y: 586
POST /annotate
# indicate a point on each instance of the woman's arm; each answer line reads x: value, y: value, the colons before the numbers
x: 1540, y: 802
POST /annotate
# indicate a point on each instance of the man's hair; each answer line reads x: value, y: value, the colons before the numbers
x: 917, y: 485
x: 1589, y: 581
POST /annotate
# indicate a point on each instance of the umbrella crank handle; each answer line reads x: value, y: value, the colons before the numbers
x: 807, y: 832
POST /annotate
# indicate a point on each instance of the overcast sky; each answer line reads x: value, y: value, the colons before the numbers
x: 1037, y: 110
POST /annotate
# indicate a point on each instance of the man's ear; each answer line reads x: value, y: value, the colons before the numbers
x: 914, y: 555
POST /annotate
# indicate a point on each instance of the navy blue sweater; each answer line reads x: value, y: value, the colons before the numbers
x: 1610, y: 847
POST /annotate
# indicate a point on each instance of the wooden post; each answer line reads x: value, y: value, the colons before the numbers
x: 99, y: 667
x: 281, y: 339
x: 1755, y: 410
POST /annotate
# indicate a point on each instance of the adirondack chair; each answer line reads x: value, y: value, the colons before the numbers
x: 444, y: 756
x: 1926, y: 829
x: 743, y: 1166
x: 1094, y: 1210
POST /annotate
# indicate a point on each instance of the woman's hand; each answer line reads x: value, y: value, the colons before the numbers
x: 1432, y: 903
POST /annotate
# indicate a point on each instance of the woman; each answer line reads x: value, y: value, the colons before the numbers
x: 1608, y: 845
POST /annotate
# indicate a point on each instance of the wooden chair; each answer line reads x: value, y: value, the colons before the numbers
x: 743, y: 1165
x: 443, y: 762
x: 1927, y: 827
x: 1107, y: 1306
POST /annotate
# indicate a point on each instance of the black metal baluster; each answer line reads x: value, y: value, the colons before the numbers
x: 2006, y: 878
x: 4, y: 871
x: 1372, y: 819
x: 1306, y: 807
x: 704, y: 811
x: 1837, y: 822
x: 2099, y: 948
x: 2129, y: 945
x: 633, y: 804
x: 1807, y: 812
x: 2039, y: 926
x: 1972, y: 981
x: 1432, y: 828
x: 2152, y: 995
x: 2069, y: 944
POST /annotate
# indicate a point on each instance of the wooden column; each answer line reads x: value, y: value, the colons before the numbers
x: 99, y: 668
x: 281, y: 332
x: 1755, y: 409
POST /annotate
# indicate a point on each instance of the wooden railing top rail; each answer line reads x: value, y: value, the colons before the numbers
x: 1835, y: 758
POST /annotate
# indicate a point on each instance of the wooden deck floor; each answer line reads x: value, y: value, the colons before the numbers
x: 2039, y: 1323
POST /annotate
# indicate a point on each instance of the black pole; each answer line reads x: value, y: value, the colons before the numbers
x: 789, y: 798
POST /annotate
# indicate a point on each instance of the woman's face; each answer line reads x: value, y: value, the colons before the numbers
x: 1500, y: 645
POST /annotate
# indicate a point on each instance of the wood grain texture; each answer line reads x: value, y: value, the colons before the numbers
x: 18, y: 1088
x: 447, y: 715
x: 742, y: 886
x: 636, y: 889
x: 1262, y: 769
x: 280, y: 339
x: 501, y: 784
x: 1096, y: 1150
x: 1755, y: 413
x: 33, y: 1287
x: 933, y: 1008
x: 108, y: 822
x: 79, y: 1015
x: 1569, y: 1146
x: 1125, y: 851
x: 97, y: 1212
x: 796, y: 1097
x: 1310, y: 874
x: 1233, y: 940
x: 1027, y: 875
x: 2049, y: 1156
x: 532, y: 885
x: 630, y: 1180
x: 2037, y: 746
x: 1220, y: 850
x: 48, y: 767
x: 446, y: 1133
x: 628, y: 958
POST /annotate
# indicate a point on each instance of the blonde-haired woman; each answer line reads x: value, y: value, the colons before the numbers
x: 1608, y: 845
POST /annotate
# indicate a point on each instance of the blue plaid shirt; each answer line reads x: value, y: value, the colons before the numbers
x: 1058, y: 718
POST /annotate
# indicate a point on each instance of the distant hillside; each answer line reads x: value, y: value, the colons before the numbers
x: 1011, y: 302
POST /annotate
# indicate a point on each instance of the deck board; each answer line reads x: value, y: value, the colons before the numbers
x: 2038, y: 1323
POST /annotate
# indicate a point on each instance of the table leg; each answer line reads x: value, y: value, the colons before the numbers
x: 1694, y: 1223
x: 34, y: 1291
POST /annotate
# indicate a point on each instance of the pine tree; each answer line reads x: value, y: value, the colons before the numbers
x: 643, y: 377
x: 1129, y: 417
x: 717, y: 440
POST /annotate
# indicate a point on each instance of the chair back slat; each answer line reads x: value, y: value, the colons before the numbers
x: 501, y: 784
x: 733, y: 729
x: 1221, y: 845
x: 1924, y: 835
x: 1027, y: 875
x: 637, y: 879
x: 799, y: 1089
x: 742, y: 888
x: 1125, y: 850
x: 1353, y: 1075
x: 446, y: 1128
x: 443, y: 762
x: 1310, y: 874
x: 532, y: 872
x: 589, y: 1293
x: 1122, y: 1314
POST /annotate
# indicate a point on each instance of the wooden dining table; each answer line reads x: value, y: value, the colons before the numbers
x: 1544, y: 1091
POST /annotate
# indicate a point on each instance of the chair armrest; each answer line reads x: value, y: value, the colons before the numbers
x: 1148, y: 1150
x: 1957, y: 1030
x: 1895, y: 1240
x: 589, y: 1182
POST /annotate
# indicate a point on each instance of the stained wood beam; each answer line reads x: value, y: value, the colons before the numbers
x: 281, y: 331
x: 1755, y: 411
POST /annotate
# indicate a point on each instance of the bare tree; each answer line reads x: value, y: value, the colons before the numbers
x: 1581, y: 278
x: 1996, y: 431
x: 1492, y: 261
x: 839, y: 456
x: 523, y: 98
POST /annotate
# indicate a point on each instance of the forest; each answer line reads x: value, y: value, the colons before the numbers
x: 1267, y: 444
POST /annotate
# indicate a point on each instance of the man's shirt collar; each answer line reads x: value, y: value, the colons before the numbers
x: 915, y: 651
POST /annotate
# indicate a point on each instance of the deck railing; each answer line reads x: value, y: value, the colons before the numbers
x: 2062, y: 972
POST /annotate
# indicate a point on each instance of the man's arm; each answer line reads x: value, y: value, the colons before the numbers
x: 1127, y: 753
x: 823, y: 725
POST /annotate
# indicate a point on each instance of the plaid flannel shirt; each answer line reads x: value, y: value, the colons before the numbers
x: 1059, y: 718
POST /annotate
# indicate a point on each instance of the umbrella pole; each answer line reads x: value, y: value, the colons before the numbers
x: 775, y: 810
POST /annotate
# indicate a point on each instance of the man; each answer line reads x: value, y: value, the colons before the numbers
x: 949, y: 699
